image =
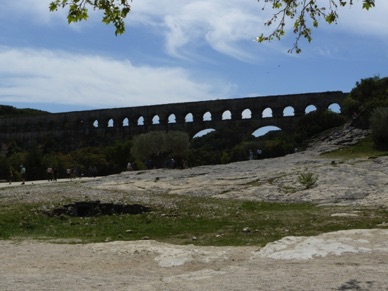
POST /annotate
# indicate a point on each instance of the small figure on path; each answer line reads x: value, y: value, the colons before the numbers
x: 49, y: 174
x: 259, y: 154
x: 23, y: 174
x: 250, y: 155
x: 55, y: 174
x: 10, y: 176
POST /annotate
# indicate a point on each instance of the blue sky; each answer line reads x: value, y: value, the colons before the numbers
x: 178, y: 51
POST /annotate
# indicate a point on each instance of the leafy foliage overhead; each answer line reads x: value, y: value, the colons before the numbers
x: 114, y: 11
x: 304, y: 14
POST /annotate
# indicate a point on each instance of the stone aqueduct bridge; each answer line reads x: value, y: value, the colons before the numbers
x: 244, y: 114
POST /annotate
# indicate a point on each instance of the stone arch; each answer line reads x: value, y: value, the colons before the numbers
x: 246, y: 114
x: 227, y: 115
x: 140, y: 121
x: 334, y: 107
x: 203, y: 132
x: 172, y: 118
x: 264, y: 130
x: 289, y: 111
x: 267, y: 113
x: 156, y: 119
x: 189, y: 117
x: 125, y: 122
x: 96, y: 123
x: 111, y: 123
x: 207, y: 116
x: 310, y: 108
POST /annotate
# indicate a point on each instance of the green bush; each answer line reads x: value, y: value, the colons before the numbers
x: 379, y: 125
x: 368, y: 94
x: 159, y: 146
x: 308, y: 179
x: 316, y: 122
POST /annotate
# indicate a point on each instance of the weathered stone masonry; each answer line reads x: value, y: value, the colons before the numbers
x: 121, y: 123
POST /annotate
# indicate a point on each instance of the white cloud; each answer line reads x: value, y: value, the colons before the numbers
x: 187, y: 25
x: 190, y: 24
x: 373, y: 22
x: 37, y: 11
x: 42, y: 76
x: 225, y: 27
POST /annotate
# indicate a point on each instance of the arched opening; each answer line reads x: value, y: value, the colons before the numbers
x: 189, y: 117
x: 246, y: 114
x: 227, y: 115
x: 267, y: 113
x: 110, y: 123
x: 334, y: 108
x: 203, y: 132
x: 207, y: 116
x: 264, y: 130
x: 310, y: 108
x: 140, y: 120
x: 95, y: 123
x: 126, y: 122
x: 172, y: 118
x: 289, y: 111
x: 156, y: 120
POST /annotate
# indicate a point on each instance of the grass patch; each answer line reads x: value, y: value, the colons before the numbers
x: 189, y: 220
x: 363, y: 149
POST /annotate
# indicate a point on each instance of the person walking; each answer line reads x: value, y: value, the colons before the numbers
x: 23, y: 174
x: 10, y: 175
x: 50, y: 174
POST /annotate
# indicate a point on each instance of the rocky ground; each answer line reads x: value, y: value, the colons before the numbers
x: 346, y: 260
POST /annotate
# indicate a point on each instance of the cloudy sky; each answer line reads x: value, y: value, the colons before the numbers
x: 178, y: 51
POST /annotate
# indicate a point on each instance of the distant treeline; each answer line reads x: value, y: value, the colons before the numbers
x: 10, y: 111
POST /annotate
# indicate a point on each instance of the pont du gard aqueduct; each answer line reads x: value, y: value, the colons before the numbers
x: 244, y: 114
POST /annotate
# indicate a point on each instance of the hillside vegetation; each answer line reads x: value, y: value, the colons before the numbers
x: 10, y: 111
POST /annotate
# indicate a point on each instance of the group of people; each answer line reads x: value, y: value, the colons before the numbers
x: 258, y: 153
x: 52, y: 174
x: 72, y: 173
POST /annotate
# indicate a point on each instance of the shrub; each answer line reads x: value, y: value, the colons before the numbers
x: 316, y: 122
x: 159, y: 146
x: 308, y: 179
x: 379, y: 125
x: 368, y: 94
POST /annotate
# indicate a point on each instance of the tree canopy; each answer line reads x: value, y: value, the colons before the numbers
x: 114, y: 11
x: 368, y: 94
x: 303, y: 14
x: 159, y: 146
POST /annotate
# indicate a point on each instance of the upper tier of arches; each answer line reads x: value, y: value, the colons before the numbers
x: 181, y: 115
x: 244, y: 113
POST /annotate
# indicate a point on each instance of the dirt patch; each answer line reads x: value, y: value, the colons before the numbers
x: 345, y: 260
